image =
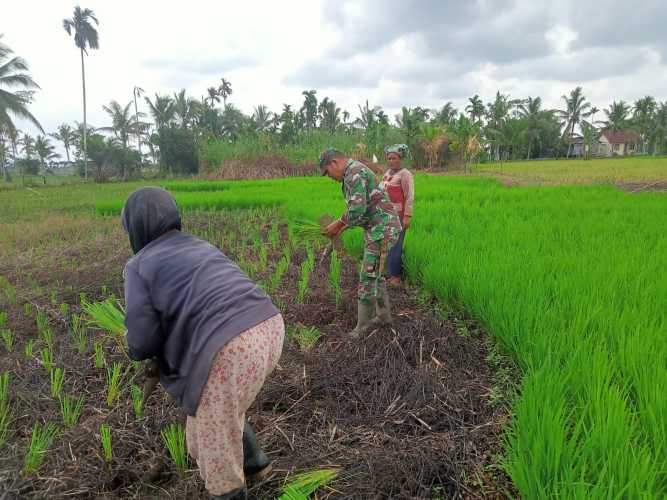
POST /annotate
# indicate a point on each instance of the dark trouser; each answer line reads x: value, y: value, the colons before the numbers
x: 394, y: 259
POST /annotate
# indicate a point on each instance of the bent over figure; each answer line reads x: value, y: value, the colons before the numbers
x: 368, y: 207
x: 213, y: 333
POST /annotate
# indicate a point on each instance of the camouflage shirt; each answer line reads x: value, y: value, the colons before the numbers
x: 368, y: 205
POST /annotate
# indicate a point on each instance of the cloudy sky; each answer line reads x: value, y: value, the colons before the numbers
x: 391, y: 52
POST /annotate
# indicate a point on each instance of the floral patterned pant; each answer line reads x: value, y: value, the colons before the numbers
x: 215, y: 434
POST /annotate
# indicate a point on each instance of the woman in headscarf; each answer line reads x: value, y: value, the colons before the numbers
x: 400, y: 187
x: 214, y: 334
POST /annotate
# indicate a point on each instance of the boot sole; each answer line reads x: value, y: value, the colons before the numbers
x: 260, y: 475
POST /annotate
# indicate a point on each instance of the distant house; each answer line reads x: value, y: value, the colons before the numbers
x: 577, y: 145
x: 618, y: 143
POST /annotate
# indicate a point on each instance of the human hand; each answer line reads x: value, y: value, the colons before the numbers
x: 334, y: 229
x: 406, y: 221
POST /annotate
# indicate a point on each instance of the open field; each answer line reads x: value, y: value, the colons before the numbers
x: 568, y: 280
x: 647, y: 171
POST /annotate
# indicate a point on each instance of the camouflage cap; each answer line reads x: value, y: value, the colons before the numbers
x: 325, y: 158
x: 400, y: 149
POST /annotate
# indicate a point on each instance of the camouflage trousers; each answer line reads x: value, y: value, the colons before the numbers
x: 371, y: 276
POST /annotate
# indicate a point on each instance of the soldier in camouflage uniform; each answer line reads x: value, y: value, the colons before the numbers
x: 369, y: 207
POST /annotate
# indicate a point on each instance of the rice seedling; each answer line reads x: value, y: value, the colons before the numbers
x: 5, y: 413
x: 70, y: 408
x: 42, y: 321
x: 278, y: 273
x: 174, y: 439
x: 10, y: 291
x: 307, y: 267
x: 334, y: 277
x: 3, y: 318
x: 263, y: 256
x: 307, y: 337
x: 113, y: 383
x: 47, y: 359
x: 105, y: 439
x: 99, y: 354
x: 28, y: 348
x: 27, y: 309
x: 304, y: 485
x: 54, y: 297
x: 47, y: 336
x: 64, y: 310
x: 57, y: 376
x: 137, y: 400
x: 40, y: 441
x: 78, y: 332
x: 8, y: 338
x: 274, y: 235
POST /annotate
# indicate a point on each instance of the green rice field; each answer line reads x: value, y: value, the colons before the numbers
x: 571, y: 280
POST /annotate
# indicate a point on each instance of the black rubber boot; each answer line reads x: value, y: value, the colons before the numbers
x: 240, y: 494
x: 256, y: 465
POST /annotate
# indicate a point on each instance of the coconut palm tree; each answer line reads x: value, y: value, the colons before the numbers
x: 45, y: 151
x: 617, y: 116
x: 85, y: 36
x: 65, y: 134
x: 576, y: 109
x: 122, y: 121
x: 213, y: 96
x: 660, y: 130
x: 446, y: 115
x: 187, y: 109
x: 261, y: 118
x: 225, y: 90
x: 537, y: 120
x: 310, y: 108
x: 161, y: 109
x: 14, y: 74
x: 643, y: 116
x: 330, y: 114
x: 475, y: 109
x: 367, y: 115
x: 137, y: 92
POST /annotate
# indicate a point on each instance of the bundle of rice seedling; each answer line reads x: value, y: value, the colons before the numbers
x: 303, y: 485
x: 307, y: 230
x: 109, y: 316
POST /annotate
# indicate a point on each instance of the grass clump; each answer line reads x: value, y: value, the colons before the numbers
x: 40, y: 441
x: 98, y: 348
x: 174, y: 439
x: 105, y: 439
x: 113, y: 383
x: 5, y: 413
x: 70, y: 408
x: 57, y: 376
x: 8, y: 339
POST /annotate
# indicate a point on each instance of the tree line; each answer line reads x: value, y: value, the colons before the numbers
x: 168, y: 130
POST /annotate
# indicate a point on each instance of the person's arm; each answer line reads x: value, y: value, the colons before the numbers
x: 408, y: 186
x: 357, y: 202
x: 142, y: 321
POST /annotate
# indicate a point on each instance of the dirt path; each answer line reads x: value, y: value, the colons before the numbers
x: 413, y: 411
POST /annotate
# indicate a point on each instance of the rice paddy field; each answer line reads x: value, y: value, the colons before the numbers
x: 529, y: 357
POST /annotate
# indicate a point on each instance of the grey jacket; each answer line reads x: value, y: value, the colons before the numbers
x: 184, y: 301
x: 184, y: 298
